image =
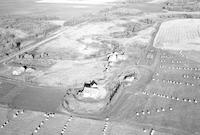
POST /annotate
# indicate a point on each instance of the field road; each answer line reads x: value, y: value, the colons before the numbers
x: 32, y: 45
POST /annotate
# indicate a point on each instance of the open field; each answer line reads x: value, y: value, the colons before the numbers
x: 77, y: 1
x: 131, y: 69
x: 182, y: 34
x: 32, y: 8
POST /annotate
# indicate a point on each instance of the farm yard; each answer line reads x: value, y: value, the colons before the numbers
x: 130, y: 69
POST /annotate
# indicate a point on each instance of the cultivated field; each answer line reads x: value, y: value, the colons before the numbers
x: 180, y: 34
